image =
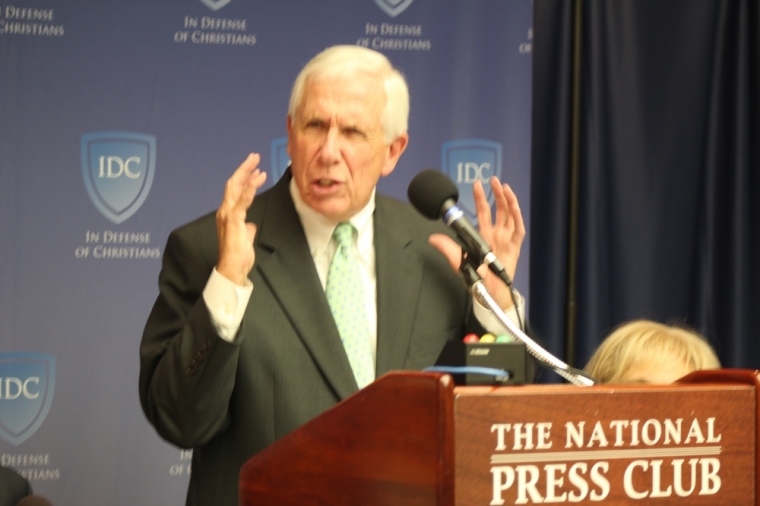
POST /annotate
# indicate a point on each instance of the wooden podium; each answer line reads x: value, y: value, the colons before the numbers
x: 415, y: 439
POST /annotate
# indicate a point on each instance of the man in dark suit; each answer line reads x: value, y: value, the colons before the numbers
x: 13, y: 487
x: 241, y: 346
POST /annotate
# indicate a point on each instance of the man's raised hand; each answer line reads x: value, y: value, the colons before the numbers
x: 236, y: 254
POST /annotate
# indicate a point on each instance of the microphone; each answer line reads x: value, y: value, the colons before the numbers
x: 435, y: 196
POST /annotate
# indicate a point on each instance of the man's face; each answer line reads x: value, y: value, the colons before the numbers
x: 336, y: 145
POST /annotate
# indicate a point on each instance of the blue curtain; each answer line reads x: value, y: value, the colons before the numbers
x: 668, y: 172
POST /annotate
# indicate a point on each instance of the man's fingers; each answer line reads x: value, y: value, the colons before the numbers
x: 247, y: 167
x: 250, y: 186
x: 502, y: 203
x: 514, y: 215
x: 243, y: 184
x: 244, y: 170
x: 482, y: 209
x: 508, y: 215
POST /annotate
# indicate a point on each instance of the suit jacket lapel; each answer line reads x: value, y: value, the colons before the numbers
x: 284, y: 261
x: 399, y: 278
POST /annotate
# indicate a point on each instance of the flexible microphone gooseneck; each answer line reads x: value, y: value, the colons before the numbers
x: 435, y: 196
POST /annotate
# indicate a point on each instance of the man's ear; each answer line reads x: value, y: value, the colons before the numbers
x: 395, y: 150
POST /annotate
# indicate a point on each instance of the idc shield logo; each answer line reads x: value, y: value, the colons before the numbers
x: 27, y: 383
x: 280, y: 158
x: 467, y: 160
x: 118, y: 169
x: 215, y: 5
x: 393, y: 7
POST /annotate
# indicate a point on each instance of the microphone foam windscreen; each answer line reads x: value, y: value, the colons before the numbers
x: 429, y: 190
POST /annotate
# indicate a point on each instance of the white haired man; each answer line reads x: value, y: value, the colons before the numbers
x: 241, y: 346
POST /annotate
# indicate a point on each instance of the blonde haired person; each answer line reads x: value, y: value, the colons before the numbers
x: 644, y: 351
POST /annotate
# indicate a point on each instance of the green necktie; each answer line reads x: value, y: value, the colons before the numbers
x: 345, y: 294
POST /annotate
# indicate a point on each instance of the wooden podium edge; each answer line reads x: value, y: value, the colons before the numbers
x: 429, y: 398
x: 735, y: 376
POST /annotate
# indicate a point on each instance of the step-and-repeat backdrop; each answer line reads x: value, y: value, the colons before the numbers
x: 122, y: 119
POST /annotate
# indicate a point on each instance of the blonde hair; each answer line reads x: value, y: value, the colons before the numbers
x: 645, y: 341
x: 348, y: 61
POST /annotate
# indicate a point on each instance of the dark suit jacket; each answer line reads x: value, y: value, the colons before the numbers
x: 13, y: 487
x: 287, y: 364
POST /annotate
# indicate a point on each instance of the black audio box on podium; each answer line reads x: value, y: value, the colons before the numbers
x: 511, y: 357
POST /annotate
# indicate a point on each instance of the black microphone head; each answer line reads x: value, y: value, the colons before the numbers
x: 429, y: 190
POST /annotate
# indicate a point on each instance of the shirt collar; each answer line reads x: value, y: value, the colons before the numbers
x: 319, y: 228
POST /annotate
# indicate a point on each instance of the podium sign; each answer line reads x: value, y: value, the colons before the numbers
x: 414, y: 439
x: 680, y: 444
